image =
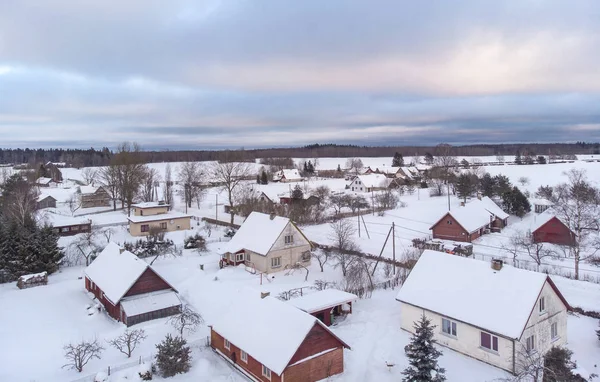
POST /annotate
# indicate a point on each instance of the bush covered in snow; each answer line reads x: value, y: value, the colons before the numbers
x: 145, y: 372
x: 149, y: 248
x: 195, y: 242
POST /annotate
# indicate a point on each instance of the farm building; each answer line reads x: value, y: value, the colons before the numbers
x: 500, y: 218
x: 277, y: 342
x: 540, y: 205
x: 151, y: 216
x: 45, y: 182
x: 67, y: 225
x: 45, y: 201
x: 491, y: 312
x: 91, y: 196
x: 326, y: 305
x: 369, y: 183
x: 130, y: 290
x: 267, y: 243
x: 548, y: 228
x: 287, y: 175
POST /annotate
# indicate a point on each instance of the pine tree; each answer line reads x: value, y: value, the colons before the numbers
x: 487, y: 185
x: 257, y: 179
x: 465, y: 186
x: 297, y: 193
x: 422, y: 355
x: 305, y: 168
x: 559, y: 366
x: 518, y: 159
x: 263, y: 178
x: 310, y: 168
x: 515, y: 202
x: 339, y: 169
x: 502, y: 184
x: 398, y: 160
x: 173, y: 356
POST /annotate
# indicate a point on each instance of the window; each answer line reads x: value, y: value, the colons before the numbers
x: 145, y: 228
x: 489, y: 341
x: 266, y: 372
x: 247, y: 256
x: 64, y: 229
x: 289, y: 239
x: 75, y: 228
x: 239, y: 256
x: 244, y: 356
x: 554, y: 331
x: 306, y: 256
x: 530, y: 343
x: 542, y: 305
x: 227, y: 345
x: 449, y: 222
x: 163, y: 225
x: 449, y: 327
x: 276, y: 262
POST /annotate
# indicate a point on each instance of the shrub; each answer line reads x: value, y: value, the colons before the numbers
x: 195, y: 242
x: 173, y: 356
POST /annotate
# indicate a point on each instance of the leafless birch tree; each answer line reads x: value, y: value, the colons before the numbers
x: 230, y: 175
x: 128, y: 341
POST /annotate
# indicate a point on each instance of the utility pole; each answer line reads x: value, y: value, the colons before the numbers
x: 394, y: 247
x: 448, y: 184
x: 358, y: 220
x: 372, y: 202
x: 216, y: 206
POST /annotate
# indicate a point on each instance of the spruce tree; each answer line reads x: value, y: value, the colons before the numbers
x: 263, y: 178
x: 465, y: 186
x: 487, y: 185
x: 422, y: 355
x: 297, y: 193
x: 518, y: 159
x: 559, y: 367
x: 339, y: 169
x: 257, y: 179
x: 398, y: 160
x: 173, y: 356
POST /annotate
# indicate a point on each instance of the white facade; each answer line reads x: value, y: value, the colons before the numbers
x: 368, y: 183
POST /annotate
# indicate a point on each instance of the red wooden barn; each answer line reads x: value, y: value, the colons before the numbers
x: 130, y: 290
x: 550, y: 229
x: 326, y: 304
x: 274, y: 342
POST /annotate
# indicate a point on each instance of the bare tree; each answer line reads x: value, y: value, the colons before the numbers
x: 230, y: 175
x: 107, y: 232
x: 358, y: 278
x: 523, y: 180
x: 576, y: 204
x: 128, y: 341
x: 78, y: 355
x: 356, y: 202
x: 342, y: 237
x: 354, y: 164
x: 322, y: 256
x: 150, y: 178
x: 524, y: 243
x: 190, y: 176
x: 19, y: 199
x: 131, y: 170
x: 168, y: 188
x: 321, y: 193
x: 85, y: 246
x: 338, y: 201
x: 500, y: 158
x: 109, y: 179
x: 188, y: 320
x: 74, y: 203
x: 387, y: 199
x: 89, y: 175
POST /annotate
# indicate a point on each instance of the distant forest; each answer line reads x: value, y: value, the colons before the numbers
x: 94, y: 157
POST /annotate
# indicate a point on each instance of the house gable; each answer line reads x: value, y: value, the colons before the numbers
x: 298, y: 237
x: 316, y: 341
x: 149, y: 281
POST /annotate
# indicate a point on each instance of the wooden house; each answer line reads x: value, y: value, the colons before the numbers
x: 150, y: 216
x: 540, y: 205
x: 45, y: 182
x: 326, y: 305
x: 67, y: 225
x: 369, y: 183
x: 91, y: 196
x: 277, y: 342
x: 267, y: 243
x: 130, y: 290
x: 287, y: 175
x: 45, y: 201
x: 548, y: 228
x: 491, y: 312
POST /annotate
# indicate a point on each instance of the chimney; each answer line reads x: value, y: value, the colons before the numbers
x: 272, y: 216
x: 264, y: 294
x: 121, y: 250
x: 497, y: 264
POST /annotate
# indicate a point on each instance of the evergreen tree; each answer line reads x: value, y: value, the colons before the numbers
x: 515, y: 202
x: 173, y: 356
x: 541, y: 159
x: 297, y: 193
x: 518, y: 159
x: 50, y: 254
x: 257, y: 179
x: 305, y: 168
x: 422, y: 355
x: 398, y: 160
x: 339, y: 169
x: 428, y: 158
x: 559, y: 366
x: 598, y: 333
x: 309, y: 168
x: 502, y: 185
x: 487, y: 185
x: 263, y: 178
x: 465, y: 186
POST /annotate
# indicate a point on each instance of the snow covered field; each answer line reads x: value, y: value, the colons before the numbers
x: 36, y: 323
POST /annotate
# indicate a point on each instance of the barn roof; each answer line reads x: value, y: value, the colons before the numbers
x: 471, y: 291
x: 493, y: 208
x: 88, y: 189
x: 323, y: 299
x: 115, y: 272
x: 272, y: 330
x: 543, y: 218
x: 258, y: 233
x: 471, y: 217
x: 149, y: 302
x: 150, y: 205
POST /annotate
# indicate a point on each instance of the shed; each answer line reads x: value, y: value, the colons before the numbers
x: 548, y: 228
x: 325, y: 304
x: 67, y: 225
x: 45, y: 201
x: 463, y: 223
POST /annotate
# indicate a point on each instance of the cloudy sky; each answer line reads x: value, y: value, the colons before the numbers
x: 257, y: 73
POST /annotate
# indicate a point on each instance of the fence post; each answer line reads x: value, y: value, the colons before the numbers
x: 109, y: 370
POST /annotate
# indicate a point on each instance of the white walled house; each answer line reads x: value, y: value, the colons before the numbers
x: 368, y: 183
x: 492, y: 312
x: 288, y: 175
x: 267, y: 243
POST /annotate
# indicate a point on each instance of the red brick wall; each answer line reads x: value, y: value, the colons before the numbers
x: 454, y: 231
x: 554, y: 231
x: 317, y: 340
x: 253, y: 366
x: 316, y: 369
x: 148, y: 282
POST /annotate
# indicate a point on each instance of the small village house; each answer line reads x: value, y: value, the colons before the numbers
x: 540, y: 205
x: 267, y: 243
x: 130, y: 290
x: 369, y: 183
x: 287, y: 175
x: 155, y: 216
x: 45, y: 201
x: 91, y: 196
x: 45, y: 182
x: 326, y: 305
x: 489, y: 311
x: 67, y: 225
x: 277, y: 342
x: 500, y: 218
x: 548, y: 228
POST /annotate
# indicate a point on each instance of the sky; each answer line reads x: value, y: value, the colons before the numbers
x: 203, y: 74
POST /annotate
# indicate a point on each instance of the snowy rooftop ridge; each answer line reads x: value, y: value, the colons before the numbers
x: 150, y: 204
x: 57, y: 220
x: 272, y: 333
x: 471, y: 291
x: 323, y: 299
x: 471, y: 217
x: 374, y: 180
x: 43, y: 180
x: 151, y: 218
x: 490, y: 206
x: 258, y: 233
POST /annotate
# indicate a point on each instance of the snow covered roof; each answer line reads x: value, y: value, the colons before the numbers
x: 373, y: 180
x: 57, y: 220
x: 149, y: 302
x: 471, y: 217
x: 88, y: 189
x: 115, y: 272
x: 491, y: 206
x: 150, y: 205
x: 323, y: 299
x: 43, y: 180
x: 289, y: 174
x: 258, y: 233
x: 271, y: 331
x: 541, y: 202
x: 157, y: 217
x: 471, y: 291
x: 44, y: 196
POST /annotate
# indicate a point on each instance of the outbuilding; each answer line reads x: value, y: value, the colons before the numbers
x: 548, y: 228
x: 326, y: 305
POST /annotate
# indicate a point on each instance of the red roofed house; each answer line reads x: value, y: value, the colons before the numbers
x: 130, y: 290
x: 550, y: 229
x: 277, y: 342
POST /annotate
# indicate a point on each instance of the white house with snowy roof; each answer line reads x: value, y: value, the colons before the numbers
x: 277, y: 342
x: 368, y: 183
x: 288, y: 175
x: 129, y: 288
x: 267, y: 243
x: 492, y: 312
